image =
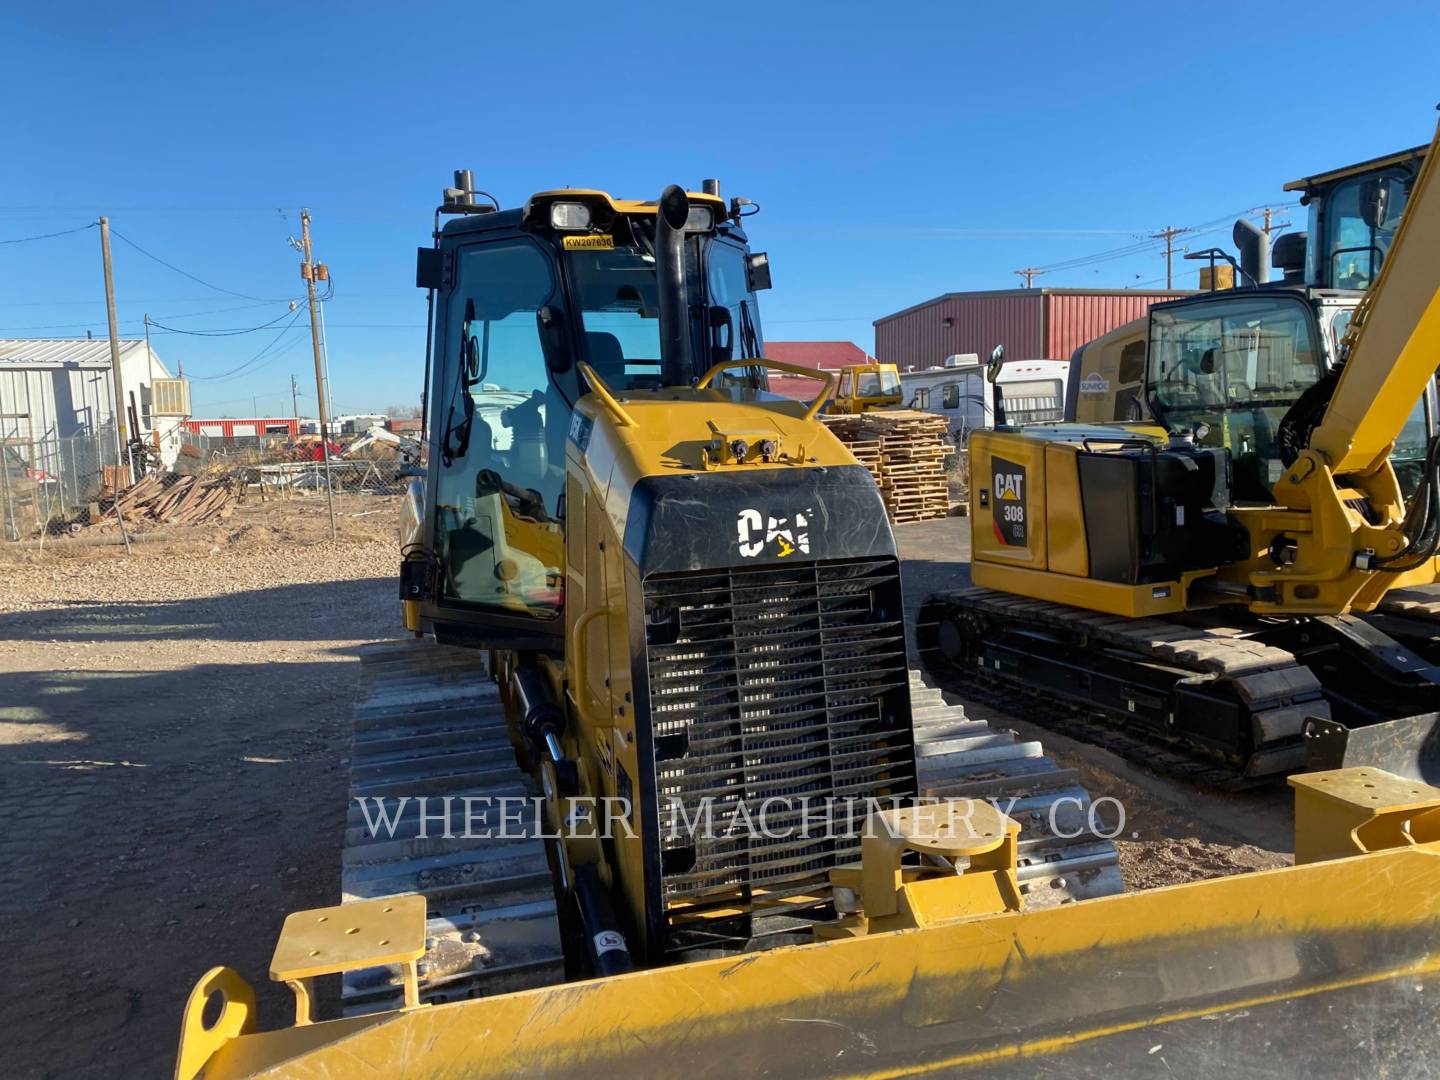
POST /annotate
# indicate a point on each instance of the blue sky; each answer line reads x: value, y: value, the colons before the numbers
x: 897, y: 150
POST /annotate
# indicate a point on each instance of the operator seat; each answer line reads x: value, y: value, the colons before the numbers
x: 604, y: 354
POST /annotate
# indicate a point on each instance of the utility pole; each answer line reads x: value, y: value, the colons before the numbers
x: 308, y: 271
x: 121, y: 435
x: 1267, y: 221
x: 1030, y: 273
x: 1168, y: 234
x: 294, y: 399
x: 325, y: 355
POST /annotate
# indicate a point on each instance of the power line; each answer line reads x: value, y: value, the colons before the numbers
x: 50, y: 235
x: 1154, y: 242
x: 131, y: 322
x: 231, y: 331
x: 192, y: 277
x: 294, y: 317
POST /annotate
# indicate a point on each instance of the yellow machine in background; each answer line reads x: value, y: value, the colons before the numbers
x: 1240, y: 537
x: 864, y: 387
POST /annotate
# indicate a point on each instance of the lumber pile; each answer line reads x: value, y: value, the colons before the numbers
x: 168, y: 499
x: 907, y: 452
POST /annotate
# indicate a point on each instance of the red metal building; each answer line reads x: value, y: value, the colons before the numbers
x: 244, y: 427
x: 819, y: 355
x: 1032, y: 324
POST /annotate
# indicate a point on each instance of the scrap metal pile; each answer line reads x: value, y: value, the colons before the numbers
x: 907, y: 452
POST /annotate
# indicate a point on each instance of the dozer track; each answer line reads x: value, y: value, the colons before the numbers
x: 429, y: 722
x: 1210, y: 704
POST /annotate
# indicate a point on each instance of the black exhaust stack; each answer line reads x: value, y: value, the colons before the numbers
x: 1253, y: 243
x: 677, y: 367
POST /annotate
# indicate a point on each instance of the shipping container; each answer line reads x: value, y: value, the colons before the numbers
x: 1047, y: 324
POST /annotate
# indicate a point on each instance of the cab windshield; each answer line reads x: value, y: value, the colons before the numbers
x: 620, y: 314
x: 877, y: 384
x: 1236, y: 366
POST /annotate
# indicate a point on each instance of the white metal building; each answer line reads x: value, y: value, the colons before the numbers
x: 61, y: 388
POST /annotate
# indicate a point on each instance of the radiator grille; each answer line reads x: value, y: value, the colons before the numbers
x: 772, y: 682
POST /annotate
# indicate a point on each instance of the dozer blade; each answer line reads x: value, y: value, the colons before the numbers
x: 1328, y: 969
x: 1408, y: 747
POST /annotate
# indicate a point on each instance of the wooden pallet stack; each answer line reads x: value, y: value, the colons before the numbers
x: 907, y: 452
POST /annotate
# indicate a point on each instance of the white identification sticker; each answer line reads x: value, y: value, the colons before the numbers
x: 608, y: 941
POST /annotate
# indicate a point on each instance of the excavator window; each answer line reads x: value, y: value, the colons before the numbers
x: 1235, y: 366
x: 496, y: 529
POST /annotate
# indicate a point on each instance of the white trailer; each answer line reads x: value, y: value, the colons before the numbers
x: 1034, y: 392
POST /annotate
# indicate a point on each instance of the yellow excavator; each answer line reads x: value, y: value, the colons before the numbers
x: 884, y: 886
x: 1243, y: 583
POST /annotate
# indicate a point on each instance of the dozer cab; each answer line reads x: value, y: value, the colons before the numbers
x: 864, y: 387
x: 688, y: 598
x: 1243, y: 582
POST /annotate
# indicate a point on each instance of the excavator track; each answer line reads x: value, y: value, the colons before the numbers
x: 429, y: 721
x: 1138, y: 706
x: 1143, y: 673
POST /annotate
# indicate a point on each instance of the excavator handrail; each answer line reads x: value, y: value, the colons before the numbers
x: 779, y: 365
x: 607, y: 398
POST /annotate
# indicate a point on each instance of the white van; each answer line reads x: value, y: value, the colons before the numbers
x: 1034, y: 392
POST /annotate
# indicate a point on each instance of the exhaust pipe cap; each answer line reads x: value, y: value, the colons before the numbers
x: 675, y: 207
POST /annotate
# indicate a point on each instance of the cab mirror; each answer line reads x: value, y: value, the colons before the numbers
x: 722, y: 335
x: 476, y: 361
x: 757, y: 271
x: 1374, y: 202
x: 429, y: 268
x: 997, y: 361
x: 552, y: 338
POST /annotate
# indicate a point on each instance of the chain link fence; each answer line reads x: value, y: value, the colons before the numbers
x: 53, y: 486
x: 52, y: 480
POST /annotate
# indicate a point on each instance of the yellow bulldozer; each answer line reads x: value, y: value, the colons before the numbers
x: 864, y: 387
x: 666, y: 796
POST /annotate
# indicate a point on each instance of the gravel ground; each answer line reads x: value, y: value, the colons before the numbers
x: 173, y: 727
x: 173, y: 731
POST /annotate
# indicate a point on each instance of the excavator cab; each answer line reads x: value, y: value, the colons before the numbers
x: 1227, y: 367
x: 521, y: 300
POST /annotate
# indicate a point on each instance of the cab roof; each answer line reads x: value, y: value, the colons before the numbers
x: 607, y: 204
x: 1309, y: 184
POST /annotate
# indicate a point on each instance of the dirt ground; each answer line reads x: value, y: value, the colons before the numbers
x: 174, y: 725
x: 173, y: 735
